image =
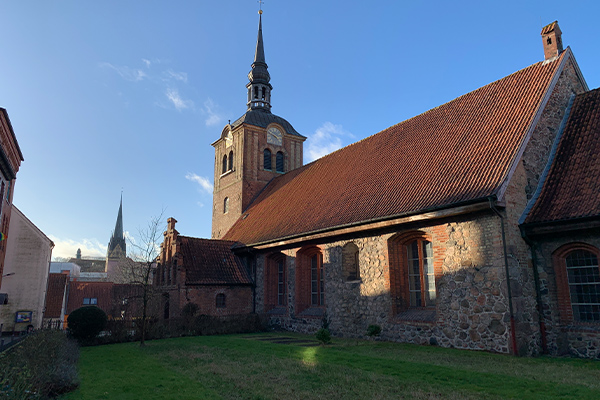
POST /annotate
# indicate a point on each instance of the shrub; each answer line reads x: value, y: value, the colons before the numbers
x: 42, y: 365
x: 324, y: 336
x: 373, y: 330
x: 86, y: 323
x: 189, y: 310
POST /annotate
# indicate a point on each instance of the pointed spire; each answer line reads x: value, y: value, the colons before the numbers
x: 259, y: 88
x: 118, y: 238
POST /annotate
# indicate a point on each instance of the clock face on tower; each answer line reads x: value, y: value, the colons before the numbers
x: 274, y: 136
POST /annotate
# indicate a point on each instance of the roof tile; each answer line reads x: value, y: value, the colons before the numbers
x: 458, y: 152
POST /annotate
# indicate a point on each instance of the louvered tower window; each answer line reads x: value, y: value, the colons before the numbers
x: 279, y: 162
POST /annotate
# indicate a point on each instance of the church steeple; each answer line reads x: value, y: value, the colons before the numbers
x: 259, y: 88
x: 117, y: 241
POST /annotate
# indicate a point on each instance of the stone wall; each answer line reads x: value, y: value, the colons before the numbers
x: 520, y: 189
x: 471, y: 309
x: 564, y: 337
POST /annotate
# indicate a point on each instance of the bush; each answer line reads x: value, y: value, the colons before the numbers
x: 324, y: 336
x: 42, y: 365
x: 373, y: 330
x: 86, y: 323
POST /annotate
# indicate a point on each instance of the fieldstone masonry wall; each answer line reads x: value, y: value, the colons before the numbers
x: 471, y: 310
x: 564, y: 338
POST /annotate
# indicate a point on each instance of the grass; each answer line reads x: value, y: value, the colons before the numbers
x: 252, y: 367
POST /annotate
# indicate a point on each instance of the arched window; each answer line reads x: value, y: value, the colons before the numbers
x: 412, y: 273
x: 231, y: 161
x: 279, y: 162
x: 578, y: 282
x: 275, y: 281
x: 226, y: 205
x: 224, y: 164
x: 267, y: 159
x: 350, y: 266
x: 220, y: 300
x: 310, y: 279
x: 256, y: 92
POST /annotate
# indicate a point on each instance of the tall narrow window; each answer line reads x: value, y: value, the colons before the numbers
x: 220, y: 300
x: 256, y: 92
x: 584, y: 285
x: 279, y: 162
x: 421, y: 278
x: 231, y: 161
x: 224, y: 164
x: 226, y: 205
x: 281, y: 282
x: 317, y: 286
x: 267, y: 159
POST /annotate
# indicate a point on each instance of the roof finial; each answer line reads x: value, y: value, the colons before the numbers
x: 260, y: 3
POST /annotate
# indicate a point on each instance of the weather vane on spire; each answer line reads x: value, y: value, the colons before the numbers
x: 260, y: 3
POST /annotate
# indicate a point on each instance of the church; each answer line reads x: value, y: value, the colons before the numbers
x: 475, y: 225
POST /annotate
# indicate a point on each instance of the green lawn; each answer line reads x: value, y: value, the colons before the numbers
x: 253, y: 367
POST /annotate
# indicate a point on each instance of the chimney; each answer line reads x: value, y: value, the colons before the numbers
x: 551, y: 36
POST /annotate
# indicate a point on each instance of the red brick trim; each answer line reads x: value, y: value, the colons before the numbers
x: 562, y: 283
x: 272, y: 281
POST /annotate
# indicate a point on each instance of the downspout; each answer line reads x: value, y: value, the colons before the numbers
x: 538, y: 292
x: 513, y: 331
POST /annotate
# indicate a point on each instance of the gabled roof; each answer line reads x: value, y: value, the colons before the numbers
x: 100, y: 290
x: 211, y: 262
x: 55, y: 295
x: 572, y: 187
x: 456, y: 153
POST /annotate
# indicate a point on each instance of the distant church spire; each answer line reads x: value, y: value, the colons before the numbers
x: 117, y: 245
x: 259, y: 88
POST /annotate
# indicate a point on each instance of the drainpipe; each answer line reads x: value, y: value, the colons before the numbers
x: 538, y: 293
x: 513, y: 332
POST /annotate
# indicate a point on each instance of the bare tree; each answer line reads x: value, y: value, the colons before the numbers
x: 138, y: 269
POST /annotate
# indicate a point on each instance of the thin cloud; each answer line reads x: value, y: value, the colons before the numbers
x: 204, y: 183
x: 178, y: 76
x: 210, y: 109
x: 67, y: 248
x: 326, y: 139
x: 179, y: 103
x: 125, y: 72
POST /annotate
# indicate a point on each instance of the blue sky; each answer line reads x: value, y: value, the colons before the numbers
x: 128, y: 95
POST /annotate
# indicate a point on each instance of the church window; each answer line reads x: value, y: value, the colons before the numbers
x: 317, y: 286
x: 310, y: 280
x: 412, y: 272
x: 224, y: 164
x: 350, y: 262
x: 256, y: 92
x: 279, y: 162
x: 220, y: 300
x: 421, y: 278
x: 263, y: 90
x: 90, y: 301
x: 231, y: 161
x: 226, y: 205
x: 267, y: 159
x: 578, y: 282
x: 275, y: 281
x: 166, y: 305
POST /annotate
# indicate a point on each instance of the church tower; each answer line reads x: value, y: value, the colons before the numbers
x: 116, y: 246
x: 254, y: 149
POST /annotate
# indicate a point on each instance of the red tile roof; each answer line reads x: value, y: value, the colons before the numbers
x: 102, y: 291
x: 55, y: 295
x: 211, y: 262
x: 572, y: 187
x: 458, y: 152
